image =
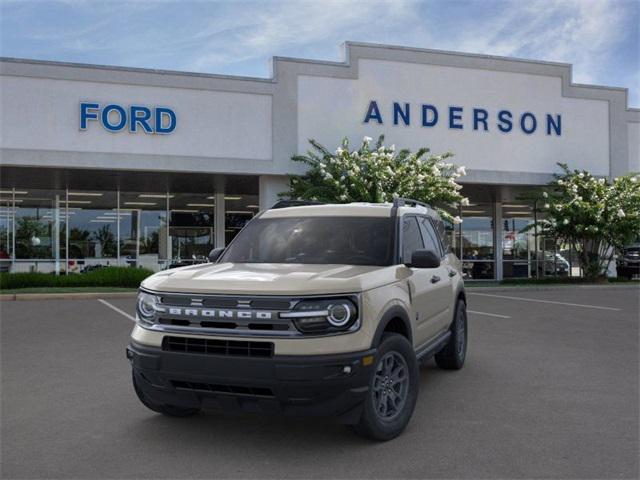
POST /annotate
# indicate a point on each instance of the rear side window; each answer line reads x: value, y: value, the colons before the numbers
x: 411, y: 238
x: 431, y: 241
x: 442, y: 233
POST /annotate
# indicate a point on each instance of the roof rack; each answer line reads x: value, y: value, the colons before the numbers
x: 401, y: 202
x: 294, y: 203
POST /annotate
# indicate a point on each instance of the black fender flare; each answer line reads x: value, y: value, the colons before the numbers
x: 395, y: 311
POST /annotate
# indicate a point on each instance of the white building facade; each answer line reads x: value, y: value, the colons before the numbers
x: 119, y: 166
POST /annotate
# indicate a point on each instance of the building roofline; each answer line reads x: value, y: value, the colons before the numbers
x: 346, y: 63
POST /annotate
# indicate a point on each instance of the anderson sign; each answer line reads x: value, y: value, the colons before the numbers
x: 461, y: 118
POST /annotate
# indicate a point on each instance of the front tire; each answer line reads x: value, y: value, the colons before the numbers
x: 452, y: 356
x: 393, y: 390
x: 168, y: 410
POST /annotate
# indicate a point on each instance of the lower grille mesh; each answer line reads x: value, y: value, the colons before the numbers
x: 217, y: 347
x: 215, y: 388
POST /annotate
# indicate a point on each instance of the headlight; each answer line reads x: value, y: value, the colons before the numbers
x: 324, y: 315
x: 146, y: 307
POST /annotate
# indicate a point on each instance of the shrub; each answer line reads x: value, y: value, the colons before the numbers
x: 377, y: 174
x: 593, y: 215
x: 125, y: 277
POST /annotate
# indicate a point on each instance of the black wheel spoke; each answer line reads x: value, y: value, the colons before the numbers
x: 390, y: 385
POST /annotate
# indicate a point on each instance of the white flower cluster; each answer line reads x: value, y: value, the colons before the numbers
x: 376, y: 173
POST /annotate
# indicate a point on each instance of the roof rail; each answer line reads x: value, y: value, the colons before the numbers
x: 401, y: 202
x: 294, y: 203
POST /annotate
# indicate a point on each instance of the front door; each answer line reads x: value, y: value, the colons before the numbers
x: 428, y: 286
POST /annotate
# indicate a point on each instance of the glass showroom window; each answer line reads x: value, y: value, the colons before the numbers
x: 143, y: 229
x: 477, y: 241
x: 518, y: 240
x: 239, y: 209
x: 6, y: 228
x: 39, y: 229
x: 92, y: 230
x: 191, y: 227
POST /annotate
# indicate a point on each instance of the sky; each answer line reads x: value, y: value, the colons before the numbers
x: 601, y: 38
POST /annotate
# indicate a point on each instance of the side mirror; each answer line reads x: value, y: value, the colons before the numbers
x: 424, y: 259
x: 215, y: 254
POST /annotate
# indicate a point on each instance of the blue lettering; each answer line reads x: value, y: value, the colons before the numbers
x: 425, y: 115
x: 523, y: 123
x: 162, y: 112
x: 505, y: 124
x: 455, y: 113
x: 105, y: 118
x: 139, y: 115
x: 86, y: 114
x: 480, y: 116
x: 399, y: 112
x: 556, y: 125
x: 373, y: 112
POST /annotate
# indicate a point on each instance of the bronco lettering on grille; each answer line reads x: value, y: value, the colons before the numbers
x: 215, y: 313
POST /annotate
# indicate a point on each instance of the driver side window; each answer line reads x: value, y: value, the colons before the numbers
x: 411, y: 238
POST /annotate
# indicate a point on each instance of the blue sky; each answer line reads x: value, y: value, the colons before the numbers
x: 600, y: 38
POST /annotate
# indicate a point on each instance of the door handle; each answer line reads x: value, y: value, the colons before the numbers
x: 435, y: 279
x: 452, y: 272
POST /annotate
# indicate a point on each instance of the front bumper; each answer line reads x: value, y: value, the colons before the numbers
x: 628, y: 269
x: 315, y: 385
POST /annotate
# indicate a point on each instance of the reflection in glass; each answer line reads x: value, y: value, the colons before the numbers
x: 6, y: 230
x: 518, y: 240
x: 143, y: 229
x: 477, y: 241
x: 92, y: 230
x: 38, y: 227
x: 191, y: 228
x: 239, y: 209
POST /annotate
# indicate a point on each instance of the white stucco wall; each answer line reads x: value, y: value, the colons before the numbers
x: 328, y: 108
x: 633, y: 136
x: 43, y: 114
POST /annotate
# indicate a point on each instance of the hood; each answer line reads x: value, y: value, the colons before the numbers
x: 271, y: 279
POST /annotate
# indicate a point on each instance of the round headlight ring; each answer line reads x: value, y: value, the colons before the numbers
x: 339, y: 314
x: 146, y: 305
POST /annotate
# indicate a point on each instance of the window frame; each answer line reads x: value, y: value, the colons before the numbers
x: 436, y: 237
x: 401, y: 232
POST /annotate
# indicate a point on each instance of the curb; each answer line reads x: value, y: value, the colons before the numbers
x: 65, y: 296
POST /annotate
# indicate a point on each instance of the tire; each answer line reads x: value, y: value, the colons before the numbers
x: 168, y: 410
x: 385, y: 415
x: 452, y: 356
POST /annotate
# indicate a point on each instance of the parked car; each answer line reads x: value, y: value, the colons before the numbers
x: 319, y: 310
x: 5, y: 261
x: 628, y: 263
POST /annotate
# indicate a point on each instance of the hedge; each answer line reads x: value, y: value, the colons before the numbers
x: 126, y: 277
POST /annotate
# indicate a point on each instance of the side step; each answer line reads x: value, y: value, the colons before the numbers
x: 433, y: 346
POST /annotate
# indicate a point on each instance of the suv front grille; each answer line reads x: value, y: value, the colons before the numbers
x: 207, y: 346
x: 215, y: 388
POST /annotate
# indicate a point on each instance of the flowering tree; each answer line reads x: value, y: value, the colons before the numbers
x: 377, y: 174
x: 593, y: 215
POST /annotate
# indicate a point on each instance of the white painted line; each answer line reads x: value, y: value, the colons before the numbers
x: 116, y: 309
x: 488, y: 314
x: 523, y: 299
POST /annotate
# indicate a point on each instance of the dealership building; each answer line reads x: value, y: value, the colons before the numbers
x: 124, y: 166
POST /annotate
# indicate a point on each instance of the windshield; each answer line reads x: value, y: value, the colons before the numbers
x: 317, y: 240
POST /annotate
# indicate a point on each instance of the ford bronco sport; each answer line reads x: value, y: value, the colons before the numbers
x: 311, y: 310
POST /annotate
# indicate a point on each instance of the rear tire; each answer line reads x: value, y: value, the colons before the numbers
x: 168, y: 410
x: 452, y: 356
x: 393, y: 390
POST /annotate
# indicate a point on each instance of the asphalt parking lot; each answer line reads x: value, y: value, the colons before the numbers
x: 550, y: 389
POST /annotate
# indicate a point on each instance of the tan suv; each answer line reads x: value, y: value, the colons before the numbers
x: 311, y: 310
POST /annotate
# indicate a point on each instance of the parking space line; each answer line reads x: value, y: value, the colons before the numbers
x: 523, y: 299
x: 116, y: 309
x: 488, y: 314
